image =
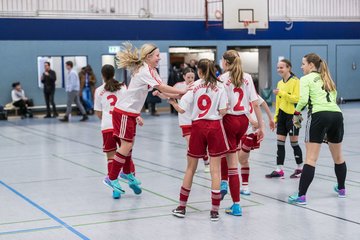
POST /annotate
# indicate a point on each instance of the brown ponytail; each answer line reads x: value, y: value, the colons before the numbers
x: 108, y: 72
x: 207, y: 68
x: 323, y: 69
x: 232, y: 58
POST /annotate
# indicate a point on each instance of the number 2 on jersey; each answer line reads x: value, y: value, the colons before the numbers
x: 238, y: 106
x: 204, y: 107
x: 113, y: 100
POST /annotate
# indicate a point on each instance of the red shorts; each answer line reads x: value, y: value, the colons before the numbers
x: 207, y: 134
x: 235, y: 127
x: 124, y: 125
x: 249, y: 142
x: 186, y: 130
x: 109, y: 142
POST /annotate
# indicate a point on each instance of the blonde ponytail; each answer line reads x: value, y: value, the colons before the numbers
x: 129, y: 56
x: 323, y: 69
x: 329, y: 84
x: 232, y: 58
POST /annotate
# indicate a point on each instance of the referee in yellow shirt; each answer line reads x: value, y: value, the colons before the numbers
x: 287, y: 95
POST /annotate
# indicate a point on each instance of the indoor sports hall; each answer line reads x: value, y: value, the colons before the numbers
x: 52, y: 163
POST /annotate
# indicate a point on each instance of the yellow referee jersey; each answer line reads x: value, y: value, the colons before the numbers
x: 288, y: 95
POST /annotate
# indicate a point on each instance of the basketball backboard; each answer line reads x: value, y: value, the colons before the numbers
x: 241, y: 14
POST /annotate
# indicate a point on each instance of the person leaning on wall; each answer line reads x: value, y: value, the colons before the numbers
x: 48, y: 78
x: 87, y: 88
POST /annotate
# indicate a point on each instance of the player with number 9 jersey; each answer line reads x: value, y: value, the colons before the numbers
x: 207, y: 103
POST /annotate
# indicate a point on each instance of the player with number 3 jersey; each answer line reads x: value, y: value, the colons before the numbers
x: 106, y: 97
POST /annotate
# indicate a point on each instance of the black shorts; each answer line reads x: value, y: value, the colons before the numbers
x: 321, y: 124
x: 285, y: 125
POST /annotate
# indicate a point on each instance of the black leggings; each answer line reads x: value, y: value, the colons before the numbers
x: 22, y: 105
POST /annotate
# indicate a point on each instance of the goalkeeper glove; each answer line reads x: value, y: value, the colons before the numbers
x: 297, y: 119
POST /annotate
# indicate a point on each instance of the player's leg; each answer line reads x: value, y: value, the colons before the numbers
x: 294, y: 141
x: 224, y: 177
x: 196, y: 149
x: 124, y: 129
x: 192, y: 163
x: 335, y: 136
x: 281, y: 132
x: 315, y: 132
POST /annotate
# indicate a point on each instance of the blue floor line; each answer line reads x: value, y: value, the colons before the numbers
x: 73, y: 230
x: 30, y: 230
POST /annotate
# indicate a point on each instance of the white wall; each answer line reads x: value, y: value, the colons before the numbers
x: 279, y: 10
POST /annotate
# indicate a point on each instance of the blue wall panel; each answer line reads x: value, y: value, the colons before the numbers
x: 348, y: 71
x: 23, y: 40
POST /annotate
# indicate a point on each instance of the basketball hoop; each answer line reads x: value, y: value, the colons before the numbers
x: 250, y: 25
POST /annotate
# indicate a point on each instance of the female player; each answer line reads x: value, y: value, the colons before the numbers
x: 240, y: 92
x: 105, y: 98
x: 287, y: 95
x: 185, y: 119
x: 207, y: 104
x: 318, y: 90
x: 127, y: 109
x: 250, y: 142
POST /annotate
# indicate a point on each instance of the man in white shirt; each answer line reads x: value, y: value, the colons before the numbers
x: 72, y: 87
x: 20, y: 100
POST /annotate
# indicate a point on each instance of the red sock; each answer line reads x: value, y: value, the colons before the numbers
x: 117, y: 164
x: 234, y: 184
x: 184, y: 195
x: 215, y: 200
x: 127, y: 165
x: 224, y: 169
x: 245, y: 172
x: 109, y: 164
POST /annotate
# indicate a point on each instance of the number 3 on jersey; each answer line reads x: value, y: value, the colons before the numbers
x: 204, y: 104
x: 112, y: 99
x: 238, y: 106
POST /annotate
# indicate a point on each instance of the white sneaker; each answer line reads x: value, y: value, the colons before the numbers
x: 207, y: 168
x: 245, y: 191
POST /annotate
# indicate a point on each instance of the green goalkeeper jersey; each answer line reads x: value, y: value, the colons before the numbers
x: 313, y: 94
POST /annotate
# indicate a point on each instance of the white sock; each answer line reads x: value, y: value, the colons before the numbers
x: 300, y: 166
x: 279, y: 168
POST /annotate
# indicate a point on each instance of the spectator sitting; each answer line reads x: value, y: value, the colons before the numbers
x: 20, y: 100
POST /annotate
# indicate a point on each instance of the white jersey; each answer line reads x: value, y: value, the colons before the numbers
x: 253, y: 115
x: 239, y: 98
x: 204, y: 102
x: 105, y: 102
x: 185, y: 118
x: 135, y: 96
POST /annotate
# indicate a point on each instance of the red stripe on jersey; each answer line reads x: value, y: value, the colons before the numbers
x: 126, y: 113
x: 154, y: 75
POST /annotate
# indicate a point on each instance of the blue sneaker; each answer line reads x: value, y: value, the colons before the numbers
x: 116, y: 194
x: 223, y: 189
x: 135, y: 187
x: 114, y: 185
x: 341, y: 192
x: 295, y: 199
x: 234, y: 210
x: 130, y: 177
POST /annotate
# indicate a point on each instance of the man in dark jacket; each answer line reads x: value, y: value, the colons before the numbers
x: 48, y: 79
